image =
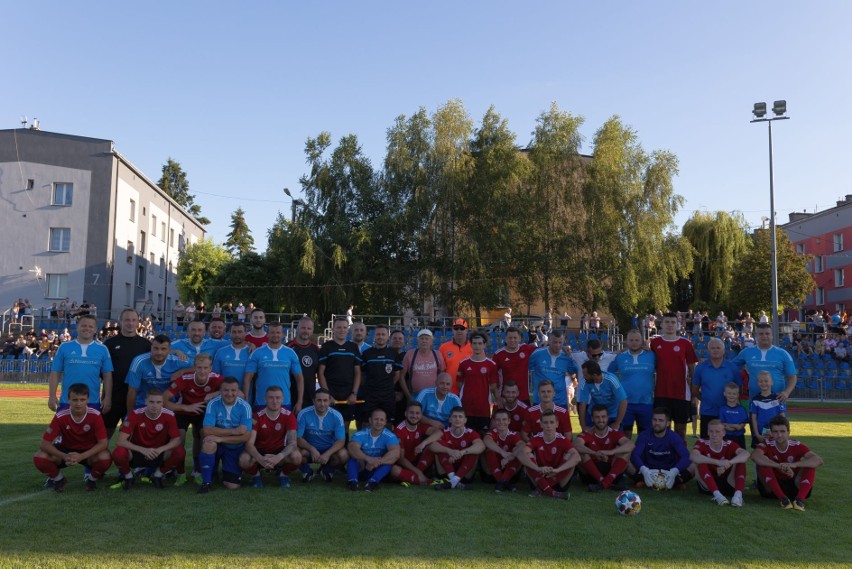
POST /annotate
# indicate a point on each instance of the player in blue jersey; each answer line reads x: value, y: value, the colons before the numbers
x: 765, y: 405
x: 709, y: 381
x: 155, y: 369
x: 272, y: 364
x: 636, y: 368
x: 553, y: 364
x: 231, y: 359
x: 438, y: 402
x: 195, y: 342
x: 660, y: 452
x: 600, y: 389
x: 85, y: 361
x: 322, y: 437
x: 227, y: 427
x: 733, y: 416
x: 766, y: 356
x: 372, y: 453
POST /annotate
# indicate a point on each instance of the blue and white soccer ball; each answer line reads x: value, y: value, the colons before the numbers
x: 628, y: 503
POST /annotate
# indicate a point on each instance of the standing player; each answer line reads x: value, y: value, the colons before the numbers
x: 272, y: 364
x: 195, y: 343
x: 379, y: 374
x: 456, y: 350
x: 594, y: 352
x: 412, y: 434
x: 76, y: 435
x: 769, y: 357
x: 786, y: 467
x: 720, y: 465
x: 154, y: 369
x: 604, y: 453
x: 500, y: 446
x: 456, y: 450
x: 308, y: 353
x: 359, y: 336
x: 549, y: 459
x: 532, y: 425
x: 372, y: 453
x: 554, y: 365
x: 603, y: 389
x: 123, y: 348
x: 675, y: 365
x: 257, y: 335
x: 231, y: 359
x: 438, y: 402
x: 477, y: 381
x: 636, y: 367
x: 272, y: 442
x: 85, y: 361
x: 660, y: 451
x: 340, y: 370
x: 227, y: 427
x: 149, y: 439
x: 322, y: 437
x: 709, y: 381
x: 513, y: 362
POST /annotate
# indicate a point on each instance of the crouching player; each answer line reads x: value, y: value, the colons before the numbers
x: 455, y: 449
x: 272, y: 442
x: 149, y: 438
x: 499, y: 457
x: 76, y: 435
x: 322, y: 437
x: 786, y: 468
x: 412, y: 434
x: 549, y: 458
x: 372, y: 453
x: 604, y: 453
x: 227, y: 427
x: 720, y: 464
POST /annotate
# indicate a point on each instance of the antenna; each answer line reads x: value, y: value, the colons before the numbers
x: 35, y: 125
x: 24, y: 121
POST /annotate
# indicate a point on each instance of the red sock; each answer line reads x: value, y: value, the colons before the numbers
x: 406, y: 475
x: 288, y: 467
x: 174, y: 459
x: 739, y: 477
x: 466, y: 465
x: 492, y: 460
x: 99, y: 467
x: 444, y: 461
x: 707, y: 477
x: 46, y: 466
x: 121, y: 457
x: 510, y: 470
x: 253, y: 469
x: 590, y: 468
x: 767, y: 477
x: 619, y: 465
x: 806, y: 483
x: 426, y: 460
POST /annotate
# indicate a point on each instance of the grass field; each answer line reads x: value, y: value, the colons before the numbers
x: 321, y: 525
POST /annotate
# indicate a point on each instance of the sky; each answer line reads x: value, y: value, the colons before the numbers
x: 233, y: 90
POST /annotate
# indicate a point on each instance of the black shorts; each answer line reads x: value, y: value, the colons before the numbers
x: 705, y: 422
x: 349, y: 412
x: 137, y: 460
x: 184, y: 421
x: 478, y: 424
x: 739, y: 439
x: 117, y: 412
x: 678, y: 408
x: 66, y: 450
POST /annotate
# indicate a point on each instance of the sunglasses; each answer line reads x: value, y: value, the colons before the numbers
x: 596, y: 355
x: 459, y: 328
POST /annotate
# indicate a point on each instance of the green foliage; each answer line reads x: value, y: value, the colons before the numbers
x: 173, y: 181
x: 240, y: 241
x: 198, y: 267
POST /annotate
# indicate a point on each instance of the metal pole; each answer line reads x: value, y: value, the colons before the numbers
x: 774, y: 249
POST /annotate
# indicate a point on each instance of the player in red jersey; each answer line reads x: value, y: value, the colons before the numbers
x: 604, y: 453
x: 720, y: 465
x: 517, y: 409
x: 676, y: 361
x: 76, y: 435
x: 456, y: 450
x: 513, y: 363
x: 149, y: 438
x: 412, y: 434
x: 499, y: 457
x: 549, y: 459
x: 532, y: 425
x: 786, y: 468
x: 272, y: 442
x: 192, y: 391
x: 257, y: 336
x: 477, y: 380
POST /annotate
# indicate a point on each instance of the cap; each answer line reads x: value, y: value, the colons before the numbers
x: 424, y: 332
x: 460, y: 322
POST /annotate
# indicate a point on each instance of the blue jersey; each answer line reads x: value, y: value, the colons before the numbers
x: 545, y: 366
x: 733, y: 416
x: 663, y: 453
x: 764, y: 407
x: 320, y: 432
x: 82, y: 363
x: 776, y: 361
x: 231, y: 362
x: 220, y: 415
x: 712, y: 381
x: 143, y: 375
x: 636, y: 373
x: 272, y: 367
x: 608, y: 392
x: 435, y: 409
x: 375, y: 447
x: 207, y: 346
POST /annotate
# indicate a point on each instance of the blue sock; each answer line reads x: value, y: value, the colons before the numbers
x: 352, y: 468
x: 380, y: 473
x: 207, y: 461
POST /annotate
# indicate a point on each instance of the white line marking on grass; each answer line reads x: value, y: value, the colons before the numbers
x: 14, y: 499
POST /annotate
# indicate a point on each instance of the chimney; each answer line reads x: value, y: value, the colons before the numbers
x: 799, y: 216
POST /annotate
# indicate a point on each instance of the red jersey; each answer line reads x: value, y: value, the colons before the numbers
x: 551, y: 453
x: 794, y: 452
x: 532, y: 424
x: 150, y: 433
x: 257, y: 341
x: 188, y: 392
x: 507, y: 444
x: 727, y: 452
x: 466, y: 440
x: 673, y: 360
x: 514, y: 366
x: 271, y: 431
x: 607, y: 442
x: 475, y: 379
x: 409, y: 439
x: 76, y: 435
x: 518, y: 416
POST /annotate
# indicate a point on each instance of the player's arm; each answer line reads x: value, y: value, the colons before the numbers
x: 810, y: 460
x: 52, y: 384
x: 305, y: 445
x: 477, y: 447
x: 760, y: 459
x: 434, y: 423
x: 248, y: 378
x: 755, y: 433
x: 580, y: 445
x: 581, y: 414
x: 524, y: 455
x: 338, y: 445
x: 179, y: 373
x: 391, y: 456
x: 791, y: 385
x: 622, y: 411
x: 251, y: 449
x: 356, y: 384
x: 131, y: 398
x: 354, y: 448
x: 438, y: 448
x: 697, y: 458
x: 300, y: 392
x: 98, y: 447
x: 290, y: 444
x: 489, y: 443
x: 625, y: 447
x: 742, y: 456
x: 48, y: 448
x: 433, y: 436
x: 106, y: 399
x: 569, y: 460
x: 321, y: 376
x: 179, y: 355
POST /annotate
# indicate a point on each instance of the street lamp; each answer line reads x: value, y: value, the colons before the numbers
x: 293, y: 204
x: 779, y: 109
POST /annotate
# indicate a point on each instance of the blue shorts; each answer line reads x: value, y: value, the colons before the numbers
x: 230, y: 458
x: 639, y: 413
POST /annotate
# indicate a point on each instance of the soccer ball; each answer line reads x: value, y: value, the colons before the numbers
x: 628, y: 503
x: 660, y: 481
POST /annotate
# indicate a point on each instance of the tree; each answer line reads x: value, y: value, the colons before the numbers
x: 174, y: 182
x: 717, y: 240
x: 198, y: 267
x: 752, y: 275
x: 240, y: 241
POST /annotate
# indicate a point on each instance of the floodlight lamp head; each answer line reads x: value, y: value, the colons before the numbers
x: 759, y: 110
x: 287, y: 192
x: 779, y: 108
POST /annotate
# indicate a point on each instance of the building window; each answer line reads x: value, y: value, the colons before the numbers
x: 63, y: 193
x: 171, y: 270
x: 60, y: 239
x: 128, y: 295
x: 819, y: 263
x: 141, y: 242
x: 140, y: 276
x: 838, y: 242
x: 820, y: 296
x: 163, y: 231
x: 151, y: 263
x: 800, y: 248
x: 57, y: 285
x: 133, y: 211
x: 130, y: 252
x: 839, y: 278
x: 162, y: 267
x: 171, y: 237
x: 153, y: 225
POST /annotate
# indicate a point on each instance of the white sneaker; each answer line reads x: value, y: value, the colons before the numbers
x: 737, y: 500
x: 721, y: 500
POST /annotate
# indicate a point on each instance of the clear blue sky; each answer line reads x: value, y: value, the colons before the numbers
x: 233, y: 90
